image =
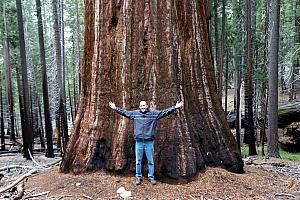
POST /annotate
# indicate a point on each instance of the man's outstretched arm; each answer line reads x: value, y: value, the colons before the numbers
x: 168, y: 111
x: 121, y: 111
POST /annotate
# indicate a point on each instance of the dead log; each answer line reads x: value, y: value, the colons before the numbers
x: 288, y: 114
x: 290, y: 140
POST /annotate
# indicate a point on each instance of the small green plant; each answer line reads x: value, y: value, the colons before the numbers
x: 245, y: 151
x: 289, y: 156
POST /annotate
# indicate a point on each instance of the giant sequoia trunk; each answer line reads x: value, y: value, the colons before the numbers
x: 156, y: 51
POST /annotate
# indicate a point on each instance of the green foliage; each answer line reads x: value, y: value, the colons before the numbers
x: 283, y: 111
x: 245, y: 150
x: 289, y: 156
x: 12, y: 23
x: 260, y: 75
x: 283, y: 154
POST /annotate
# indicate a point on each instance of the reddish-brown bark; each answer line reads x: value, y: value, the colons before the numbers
x: 156, y: 51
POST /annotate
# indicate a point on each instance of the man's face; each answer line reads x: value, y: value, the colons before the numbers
x: 143, y: 106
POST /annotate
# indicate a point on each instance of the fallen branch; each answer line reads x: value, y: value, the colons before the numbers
x: 285, y: 194
x: 44, y: 166
x: 85, y: 196
x: 15, y: 166
x: 63, y: 197
x: 20, y: 191
x: 54, y: 163
x: 9, y: 152
x: 33, y: 159
x: 37, y: 195
x: 18, y: 180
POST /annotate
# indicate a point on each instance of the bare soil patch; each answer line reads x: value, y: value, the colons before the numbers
x: 263, y: 179
x: 213, y: 183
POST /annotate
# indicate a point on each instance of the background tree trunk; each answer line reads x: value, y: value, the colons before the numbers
x: 221, y: 56
x: 226, y: 83
x: 48, y: 126
x: 249, y: 136
x: 63, y: 90
x: 70, y: 102
x: 1, y: 117
x: 61, y: 112
x: 27, y: 128
x: 155, y: 51
x: 34, y: 103
x: 78, y: 64
x: 237, y: 53
x: 273, y: 149
x: 216, y: 41
x: 41, y: 126
x: 21, y: 101
x: 6, y: 58
x: 264, y: 91
x: 292, y: 90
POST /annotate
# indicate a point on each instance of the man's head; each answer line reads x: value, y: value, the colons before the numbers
x: 143, y: 106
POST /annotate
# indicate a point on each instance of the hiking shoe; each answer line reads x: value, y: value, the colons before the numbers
x: 138, y: 181
x: 152, y: 181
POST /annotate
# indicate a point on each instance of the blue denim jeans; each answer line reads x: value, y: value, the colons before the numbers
x: 140, y: 146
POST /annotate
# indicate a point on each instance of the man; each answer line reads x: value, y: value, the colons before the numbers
x: 145, y: 121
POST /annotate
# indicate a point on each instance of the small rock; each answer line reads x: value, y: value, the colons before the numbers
x: 78, y: 184
x: 125, y: 194
x: 120, y: 190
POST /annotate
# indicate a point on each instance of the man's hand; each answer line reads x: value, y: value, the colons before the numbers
x: 112, y: 105
x: 179, y: 104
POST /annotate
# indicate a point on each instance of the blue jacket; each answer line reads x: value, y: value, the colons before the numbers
x: 145, y: 122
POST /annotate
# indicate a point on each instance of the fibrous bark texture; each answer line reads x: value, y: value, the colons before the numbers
x: 273, y: 148
x: 156, y: 51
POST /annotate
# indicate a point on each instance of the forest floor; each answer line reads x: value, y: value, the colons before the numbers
x: 283, y: 99
x: 263, y: 179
